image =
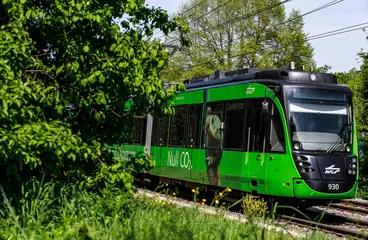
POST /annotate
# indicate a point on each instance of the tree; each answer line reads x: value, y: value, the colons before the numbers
x: 67, y: 70
x: 357, y: 81
x: 239, y: 34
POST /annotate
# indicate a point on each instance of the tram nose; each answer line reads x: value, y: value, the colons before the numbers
x: 326, y: 167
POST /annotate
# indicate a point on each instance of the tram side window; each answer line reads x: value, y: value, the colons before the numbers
x: 277, y: 139
x: 139, y: 130
x: 178, y: 127
x: 213, y: 135
x: 234, y: 125
x: 194, y: 124
x: 162, y: 131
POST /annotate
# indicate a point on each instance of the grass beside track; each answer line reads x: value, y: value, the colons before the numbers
x: 49, y: 213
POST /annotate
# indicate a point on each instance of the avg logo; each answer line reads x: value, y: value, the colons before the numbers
x: 250, y: 89
x: 332, y: 170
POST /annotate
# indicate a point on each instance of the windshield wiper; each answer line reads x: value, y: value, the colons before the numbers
x: 335, y: 144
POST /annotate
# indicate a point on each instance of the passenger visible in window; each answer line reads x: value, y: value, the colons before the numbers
x: 214, y: 143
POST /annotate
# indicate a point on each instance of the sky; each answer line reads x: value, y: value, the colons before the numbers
x: 339, y: 51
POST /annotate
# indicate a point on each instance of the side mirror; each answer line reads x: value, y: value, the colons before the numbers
x: 264, y: 107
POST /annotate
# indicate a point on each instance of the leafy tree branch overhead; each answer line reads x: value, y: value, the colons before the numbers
x: 232, y: 35
x: 67, y: 70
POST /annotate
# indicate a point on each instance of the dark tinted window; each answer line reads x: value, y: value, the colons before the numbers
x: 259, y: 127
x: 138, y: 132
x: 194, y: 124
x: 277, y: 140
x: 162, y: 131
x: 212, y: 135
x: 315, y: 94
x: 234, y: 125
x: 178, y: 127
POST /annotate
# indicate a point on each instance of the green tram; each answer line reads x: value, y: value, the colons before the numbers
x: 282, y: 133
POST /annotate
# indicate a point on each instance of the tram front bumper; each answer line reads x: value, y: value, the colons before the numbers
x: 324, y: 189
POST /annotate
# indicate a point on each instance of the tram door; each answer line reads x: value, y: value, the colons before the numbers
x: 159, y: 140
x: 193, y: 137
x: 256, y: 133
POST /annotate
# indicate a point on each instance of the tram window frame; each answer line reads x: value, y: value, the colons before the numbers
x: 209, y: 104
x: 183, y: 126
x: 276, y: 115
x: 142, y: 134
x: 198, y: 113
x: 243, y: 139
x: 155, y: 131
x: 255, y: 120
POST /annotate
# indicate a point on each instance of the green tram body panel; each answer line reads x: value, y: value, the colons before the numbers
x: 275, y: 174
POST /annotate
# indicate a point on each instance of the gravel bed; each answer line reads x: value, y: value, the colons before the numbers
x: 359, y: 200
x: 283, y: 227
x: 340, y: 212
x: 352, y: 226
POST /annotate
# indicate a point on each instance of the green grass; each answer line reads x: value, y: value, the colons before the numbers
x: 48, y: 213
x: 363, y: 190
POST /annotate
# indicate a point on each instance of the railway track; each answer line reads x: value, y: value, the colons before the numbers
x: 351, y: 206
x: 348, y: 218
x: 329, y: 228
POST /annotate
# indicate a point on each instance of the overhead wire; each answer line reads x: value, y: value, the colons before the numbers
x: 317, y: 36
x: 326, y: 5
x: 338, y: 31
x: 254, y: 13
x: 205, y: 14
x: 186, y: 11
x: 216, y: 8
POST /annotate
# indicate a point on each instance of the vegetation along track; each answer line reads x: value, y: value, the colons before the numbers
x: 341, y: 225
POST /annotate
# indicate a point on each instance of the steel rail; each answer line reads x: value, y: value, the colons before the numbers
x: 353, y: 202
x: 351, y: 208
x: 327, y: 227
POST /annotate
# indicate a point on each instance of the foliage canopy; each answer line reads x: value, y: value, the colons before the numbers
x: 238, y: 34
x: 357, y: 81
x: 67, y: 69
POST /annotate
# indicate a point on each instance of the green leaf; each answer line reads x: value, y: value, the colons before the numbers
x: 101, y: 78
x: 160, y: 63
x: 112, y: 47
x: 28, y: 14
x: 86, y: 49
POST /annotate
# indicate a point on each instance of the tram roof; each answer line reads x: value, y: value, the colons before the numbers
x: 280, y: 76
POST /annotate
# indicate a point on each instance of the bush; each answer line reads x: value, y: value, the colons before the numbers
x: 253, y: 207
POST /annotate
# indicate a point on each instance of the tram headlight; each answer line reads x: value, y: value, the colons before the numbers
x: 353, y: 160
x: 353, y: 166
x: 352, y: 172
x: 297, y: 145
x: 348, y: 148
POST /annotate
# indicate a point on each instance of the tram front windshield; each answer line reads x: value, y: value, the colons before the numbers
x: 320, y: 120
